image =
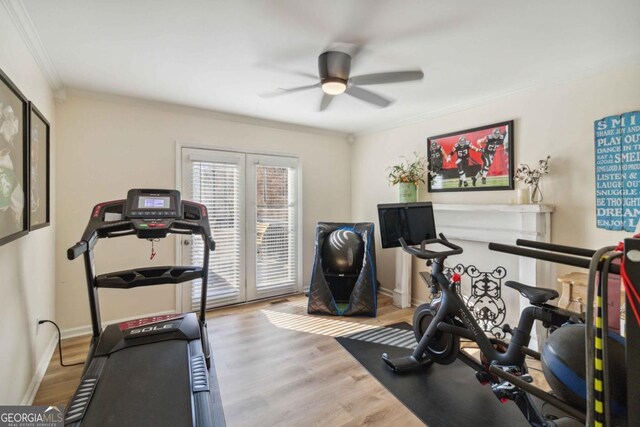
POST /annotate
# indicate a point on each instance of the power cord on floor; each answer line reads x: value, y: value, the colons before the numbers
x: 60, y: 344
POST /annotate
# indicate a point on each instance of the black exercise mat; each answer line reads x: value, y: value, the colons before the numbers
x: 439, y: 395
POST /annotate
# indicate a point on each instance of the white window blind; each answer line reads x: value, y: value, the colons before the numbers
x: 216, y: 185
x: 276, y: 229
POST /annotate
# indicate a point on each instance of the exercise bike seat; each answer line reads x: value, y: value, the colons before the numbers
x: 533, y: 294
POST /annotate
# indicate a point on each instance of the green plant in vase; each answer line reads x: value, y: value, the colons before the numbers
x: 408, y: 175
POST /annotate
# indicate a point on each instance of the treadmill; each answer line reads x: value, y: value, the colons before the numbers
x: 155, y: 371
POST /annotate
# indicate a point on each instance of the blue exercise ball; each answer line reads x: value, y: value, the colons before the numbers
x: 342, y: 252
x: 564, y: 367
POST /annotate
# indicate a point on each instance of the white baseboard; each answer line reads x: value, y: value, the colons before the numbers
x: 385, y: 291
x: 86, y: 329
x: 389, y: 292
x: 416, y: 302
x: 41, y: 369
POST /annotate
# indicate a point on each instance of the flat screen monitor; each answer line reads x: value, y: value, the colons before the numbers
x: 412, y: 221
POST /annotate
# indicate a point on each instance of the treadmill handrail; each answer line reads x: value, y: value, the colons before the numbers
x: 119, y: 230
x: 126, y: 228
x: 88, y: 241
x: 76, y: 250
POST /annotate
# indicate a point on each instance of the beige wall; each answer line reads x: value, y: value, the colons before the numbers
x: 26, y: 265
x: 556, y: 120
x: 108, y: 145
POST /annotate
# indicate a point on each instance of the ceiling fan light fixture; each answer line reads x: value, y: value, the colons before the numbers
x: 334, y: 86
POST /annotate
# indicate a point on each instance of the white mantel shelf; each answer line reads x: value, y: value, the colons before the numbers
x: 532, y: 208
x: 508, y: 222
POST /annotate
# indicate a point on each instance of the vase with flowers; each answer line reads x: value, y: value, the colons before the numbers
x: 531, y: 177
x: 408, y: 174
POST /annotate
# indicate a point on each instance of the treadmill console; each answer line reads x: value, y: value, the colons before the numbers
x: 152, y: 211
x: 153, y: 204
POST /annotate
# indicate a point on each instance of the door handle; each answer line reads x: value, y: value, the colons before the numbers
x: 186, y: 242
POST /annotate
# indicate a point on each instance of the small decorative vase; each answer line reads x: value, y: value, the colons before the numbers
x: 522, y: 195
x: 407, y: 192
x: 535, y: 195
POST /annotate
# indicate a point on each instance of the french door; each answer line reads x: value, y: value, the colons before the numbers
x: 254, y: 213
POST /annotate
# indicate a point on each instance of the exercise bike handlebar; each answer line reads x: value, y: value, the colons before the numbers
x: 424, y: 253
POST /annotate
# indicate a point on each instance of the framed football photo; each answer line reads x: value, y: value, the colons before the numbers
x: 479, y: 159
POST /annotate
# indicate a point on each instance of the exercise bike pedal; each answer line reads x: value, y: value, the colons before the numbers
x: 483, y: 377
x: 406, y: 363
x: 505, y: 391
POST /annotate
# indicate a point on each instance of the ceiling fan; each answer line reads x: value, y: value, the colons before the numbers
x: 333, y: 71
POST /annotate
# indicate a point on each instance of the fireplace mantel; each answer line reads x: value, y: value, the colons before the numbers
x: 484, y: 223
x: 494, y: 208
x: 494, y: 223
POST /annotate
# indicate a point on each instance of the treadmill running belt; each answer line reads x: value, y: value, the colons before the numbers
x: 146, y: 385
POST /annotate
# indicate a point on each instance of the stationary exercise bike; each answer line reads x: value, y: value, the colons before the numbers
x: 439, y: 325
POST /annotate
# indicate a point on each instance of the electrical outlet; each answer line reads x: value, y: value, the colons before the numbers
x: 37, y: 324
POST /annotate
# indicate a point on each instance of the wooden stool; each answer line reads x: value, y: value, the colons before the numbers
x: 574, y: 297
x: 574, y: 291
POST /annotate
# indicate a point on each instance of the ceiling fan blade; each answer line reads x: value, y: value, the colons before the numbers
x: 368, y: 96
x: 285, y: 91
x: 326, y: 100
x: 280, y: 69
x: 392, y: 77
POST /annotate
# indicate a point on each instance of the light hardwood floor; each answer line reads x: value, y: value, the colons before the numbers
x: 276, y: 366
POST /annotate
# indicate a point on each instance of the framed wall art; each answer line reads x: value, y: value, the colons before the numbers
x: 39, y: 169
x: 478, y: 159
x: 14, y: 118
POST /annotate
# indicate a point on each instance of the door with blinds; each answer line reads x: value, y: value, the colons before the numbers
x: 272, y: 219
x: 253, y: 204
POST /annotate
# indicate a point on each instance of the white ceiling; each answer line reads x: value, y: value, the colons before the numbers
x: 220, y: 55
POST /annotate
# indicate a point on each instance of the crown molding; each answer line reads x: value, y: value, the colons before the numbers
x: 21, y: 19
x: 72, y: 92
x: 60, y: 95
x: 478, y: 102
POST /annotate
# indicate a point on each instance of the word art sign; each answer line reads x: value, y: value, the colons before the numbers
x: 617, y: 145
